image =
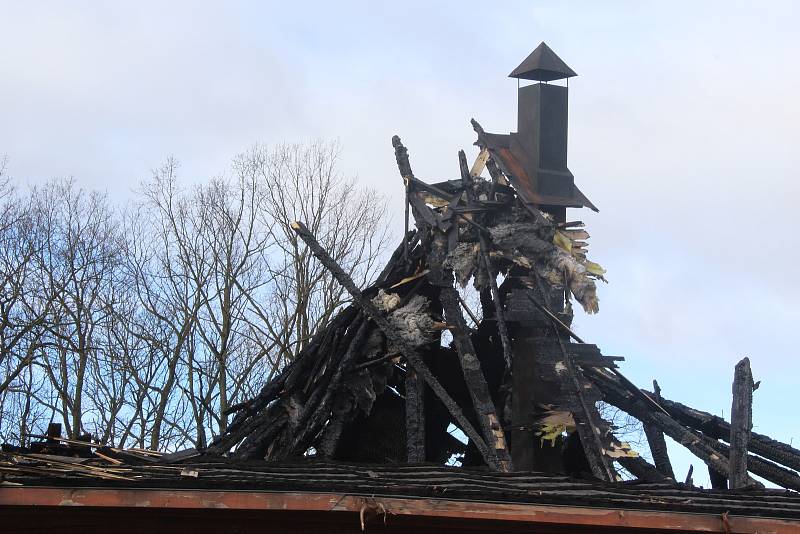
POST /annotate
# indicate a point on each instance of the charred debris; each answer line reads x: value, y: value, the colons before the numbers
x: 378, y: 385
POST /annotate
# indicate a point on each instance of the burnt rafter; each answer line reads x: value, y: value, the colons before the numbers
x: 390, y: 376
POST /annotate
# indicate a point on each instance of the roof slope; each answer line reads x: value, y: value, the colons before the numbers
x: 416, y: 481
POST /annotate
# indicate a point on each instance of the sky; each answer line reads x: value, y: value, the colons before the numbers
x: 684, y: 128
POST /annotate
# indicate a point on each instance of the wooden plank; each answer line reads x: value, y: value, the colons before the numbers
x: 741, y: 423
x: 718, y: 481
x: 658, y: 449
x: 786, y: 478
x: 480, y: 163
x: 405, y: 512
x: 717, y: 428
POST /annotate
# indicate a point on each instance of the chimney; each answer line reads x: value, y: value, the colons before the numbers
x: 540, y: 142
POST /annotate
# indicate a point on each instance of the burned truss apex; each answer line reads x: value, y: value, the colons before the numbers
x: 377, y: 385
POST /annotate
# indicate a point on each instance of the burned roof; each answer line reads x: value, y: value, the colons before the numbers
x: 377, y: 384
x: 372, y: 402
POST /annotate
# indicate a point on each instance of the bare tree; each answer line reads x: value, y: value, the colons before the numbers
x: 144, y: 326
x: 162, y: 236
x: 76, y: 265
x: 301, y: 182
x: 23, y: 309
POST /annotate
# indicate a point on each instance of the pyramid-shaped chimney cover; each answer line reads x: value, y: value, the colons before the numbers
x: 542, y: 65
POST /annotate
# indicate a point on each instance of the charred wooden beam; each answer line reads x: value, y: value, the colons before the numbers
x: 412, y: 357
x: 268, y: 425
x: 252, y: 415
x: 409, y: 241
x: 657, y: 443
x: 422, y: 211
x: 401, y: 155
x: 658, y: 448
x: 376, y: 361
x: 415, y: 417
x: 419, y: 185
x: 473, y: 376
x: 326, y: 363
x: 502, y: 327
x: 470, y: 365
x: 587, y: 422
x: 697, y: 446
x: 475, y: 380
x: 741, y: 422
x: 341, y: 412
x: 718, y: 480
x: 618, y: 395
x: 775, y: 473
x: 466, y: 177
x: 553, y: 317
x: 689, y: 481
x: 315, y: 414
x: 717, y: 428
x: 713, y: 452
x: 641, y: 469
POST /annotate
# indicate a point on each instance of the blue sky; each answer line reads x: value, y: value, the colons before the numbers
x: 683, y: 131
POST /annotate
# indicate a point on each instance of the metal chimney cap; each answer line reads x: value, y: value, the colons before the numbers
x: 542, y: 65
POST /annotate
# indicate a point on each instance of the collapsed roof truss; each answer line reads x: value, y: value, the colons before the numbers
x: 375, y: 384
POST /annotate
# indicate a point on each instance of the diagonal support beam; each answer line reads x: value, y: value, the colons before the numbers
x: 587, y: 419
x: 657, y: 443
x: 502, y: 327
x: 470, y: 365
x: 717, y: 428
x: 473, y: 376
x: 625, y: 400
x: 485, y: 411
x: 412, y: 357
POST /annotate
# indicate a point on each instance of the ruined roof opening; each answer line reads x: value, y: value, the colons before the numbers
x: 413, y: 372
